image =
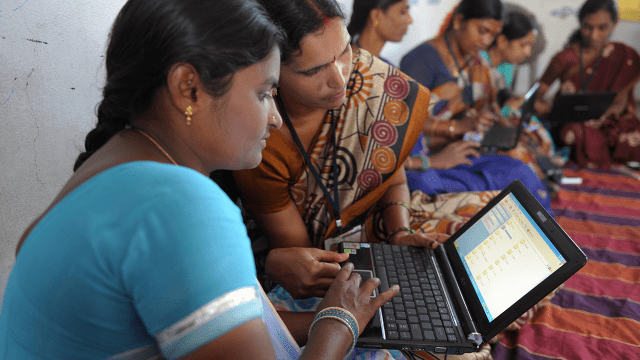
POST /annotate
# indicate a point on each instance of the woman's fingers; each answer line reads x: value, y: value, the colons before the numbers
x: 382, y: 298
x: 345, y: 272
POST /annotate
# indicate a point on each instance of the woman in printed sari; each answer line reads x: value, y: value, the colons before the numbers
x: 338, y: 164
x: 593, y: 63
x: 464, y: 98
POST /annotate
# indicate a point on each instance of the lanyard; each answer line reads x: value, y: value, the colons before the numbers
x: 459, y: 70
x: 584, y: 85
x: 335, y: 201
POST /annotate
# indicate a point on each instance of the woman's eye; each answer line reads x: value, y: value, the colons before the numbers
x: 311, y: 73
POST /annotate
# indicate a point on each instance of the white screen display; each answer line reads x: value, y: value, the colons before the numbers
x: 506, y: 255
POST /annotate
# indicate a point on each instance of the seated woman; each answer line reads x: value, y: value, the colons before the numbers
x: 337, y: 165
x: 141, y: 255
x: 373, y: 23
x: 591, y: 62
x: 461, y: 84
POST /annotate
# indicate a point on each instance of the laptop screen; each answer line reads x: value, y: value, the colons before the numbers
x: 506, y: 254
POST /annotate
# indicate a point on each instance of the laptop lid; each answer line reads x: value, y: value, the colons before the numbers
x: 506, y: 138
x: 489, y: 292
x: 509, y: 257
x: 582, y: 106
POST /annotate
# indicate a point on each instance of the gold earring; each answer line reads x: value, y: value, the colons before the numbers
x: 189, y: 112
x: 375, y: 23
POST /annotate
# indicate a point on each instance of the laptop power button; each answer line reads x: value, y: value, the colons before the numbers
x: 440, y: 349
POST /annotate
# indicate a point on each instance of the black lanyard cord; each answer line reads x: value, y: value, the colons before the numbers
x: 335, y: 201
x: 584, y: 85
x: 459, y: 70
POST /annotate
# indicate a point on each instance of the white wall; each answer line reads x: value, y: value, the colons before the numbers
x: 51, y: 72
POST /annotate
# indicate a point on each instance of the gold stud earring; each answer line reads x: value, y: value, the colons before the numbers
x: 189, y: 112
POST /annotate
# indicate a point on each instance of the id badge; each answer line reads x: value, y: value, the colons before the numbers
x: 353, y: 235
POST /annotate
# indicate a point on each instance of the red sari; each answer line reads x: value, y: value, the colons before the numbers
x: 616, y: 140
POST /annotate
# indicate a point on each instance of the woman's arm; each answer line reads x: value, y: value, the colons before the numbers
x: 397, y: 217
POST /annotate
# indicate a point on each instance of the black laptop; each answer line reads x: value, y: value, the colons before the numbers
x: 452, y: 299
x: 506, y: 137
x: 579, y: 107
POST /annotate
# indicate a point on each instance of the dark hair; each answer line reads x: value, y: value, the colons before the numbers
x: 300, y: 18
x: 361, y: 11
x: 517, y: 26
x: 480, y: 9
x: 148, y: 37
x: 592, y: 7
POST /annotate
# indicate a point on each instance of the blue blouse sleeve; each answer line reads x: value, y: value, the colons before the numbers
x: 190, y: 268
x: 425, y: 65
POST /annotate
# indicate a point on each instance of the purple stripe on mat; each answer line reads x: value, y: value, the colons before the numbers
x: 580, y: 215
x: 502, y: 353
x: 608, y: 256
x: 612, y: 308
x: 601, y: 191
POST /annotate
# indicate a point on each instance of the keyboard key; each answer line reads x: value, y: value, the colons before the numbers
x: 429, y: 299
x: 449, y: 330
x: 434, y: 315
x: 398, y: 307
x: 401, y: 315
x: 426, y: 326
x: 391, y: 326
x: 429, y: 335
x: 405, y: 335
x: 392, y: 334
x: 440, y: 334
x: 403, y: 327
x: 423, y: 317
x: 452, y: 338
x: 409, y: 304
x: 411, y: 311
x: 422, y: 310
x: 432, y: 307
x: 447, y: 323
x: 445, y: 317
x: 389, y: 318
x: 436, y: 322
x: 416, y: 332
x: 412, y: 319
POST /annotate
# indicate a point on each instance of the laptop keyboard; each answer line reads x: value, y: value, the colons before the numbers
x: 419, y: 311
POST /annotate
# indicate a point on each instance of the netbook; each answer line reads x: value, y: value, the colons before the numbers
x: 452, y: 299
x: 506, y: 137
x: 579, y: 107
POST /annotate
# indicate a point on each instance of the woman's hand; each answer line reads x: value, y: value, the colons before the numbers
x: 454, y: 154
x: 346, y: 292
x: 617, y: 107
x: 430, y: 241
x: 304, y: 272
x: 595, y: 123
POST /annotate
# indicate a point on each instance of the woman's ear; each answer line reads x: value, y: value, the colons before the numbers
x: 502, y: 42
x: 458, y: 21
x: 374, y: 17
x: 184, y: 87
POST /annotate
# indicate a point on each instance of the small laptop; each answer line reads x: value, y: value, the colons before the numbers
x: 498, y: 265
x: 580, y: 107
x: 506, y: 137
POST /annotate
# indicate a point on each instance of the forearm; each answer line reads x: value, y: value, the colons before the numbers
x: 396, y: 216
x: 298, y: 324
x: 330, y: 339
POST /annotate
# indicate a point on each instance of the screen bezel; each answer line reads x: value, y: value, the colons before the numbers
x: 575, y: 259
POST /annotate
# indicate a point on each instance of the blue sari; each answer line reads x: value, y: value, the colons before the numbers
x: 488, y: 172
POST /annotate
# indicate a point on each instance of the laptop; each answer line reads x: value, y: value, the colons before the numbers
x: 579, y: 107
x: 503, y: 261
x: 506, y: 137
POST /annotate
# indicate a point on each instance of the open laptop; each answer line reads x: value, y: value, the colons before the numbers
x: 578, y: 107
x: 506, y: 137
x: 452, y: 299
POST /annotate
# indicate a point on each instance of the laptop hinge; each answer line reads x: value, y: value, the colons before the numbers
x: 467, y: 323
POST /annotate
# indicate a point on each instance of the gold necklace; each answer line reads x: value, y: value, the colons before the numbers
x: 157, y: 145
